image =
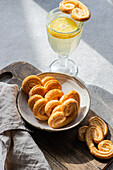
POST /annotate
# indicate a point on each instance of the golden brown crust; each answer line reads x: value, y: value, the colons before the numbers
x: 81, y: 13
x: 95, y: 133
x: 52, y: 84
x: 29, y: 82
x: 67, y: 6
x: 81, y: 133
x: 38, y: 89
x: 69, y: 119
x: 99, y: 122
x: 33, y: 99
x: 56, y: 120
x: 47, y: 78
x: 54, y: 94
x: 39, y: 109
x: 57, y: 108
x: 50, y: 106
x: 71, y: 94
x: 78, y: 10
x: 105, y: 148
x: 70, y: 106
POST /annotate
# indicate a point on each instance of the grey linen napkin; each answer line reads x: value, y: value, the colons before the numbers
x: 18, y: 151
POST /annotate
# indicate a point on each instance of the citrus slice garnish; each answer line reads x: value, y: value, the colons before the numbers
x: 63, y: 25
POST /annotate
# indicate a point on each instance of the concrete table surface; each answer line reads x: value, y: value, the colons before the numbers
x: 23, y: 37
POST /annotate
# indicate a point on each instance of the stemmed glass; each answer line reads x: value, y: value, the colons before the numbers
x: 63, y: 43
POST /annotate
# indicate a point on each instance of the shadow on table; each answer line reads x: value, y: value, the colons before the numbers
x: 48, y: 4
x: 101, y: 103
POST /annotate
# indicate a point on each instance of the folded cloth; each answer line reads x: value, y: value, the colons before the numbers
x: 18, y: 151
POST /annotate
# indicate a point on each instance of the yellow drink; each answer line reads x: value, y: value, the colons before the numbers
x: 63, y: 34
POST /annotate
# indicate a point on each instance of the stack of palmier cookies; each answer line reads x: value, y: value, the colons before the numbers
x: 78, y: 10
x: 95, y: 133
x: 48, y: 102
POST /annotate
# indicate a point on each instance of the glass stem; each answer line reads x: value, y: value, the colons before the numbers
x: 63, y: 60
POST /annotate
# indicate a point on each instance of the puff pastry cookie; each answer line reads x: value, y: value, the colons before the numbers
x: 105, y: 147
x: 95, y: 133
x: 29, y: 82
x: 71, y: 94
x: 54, y: 94
x: 67, y: 111
x: 52, y: 84
x: 99, y: 122
x: 47, y: 78
x: 38, y: 89
x: 39, y: 109
x: 32, y: 100
x: 50, y: 106
x: 78, y: 10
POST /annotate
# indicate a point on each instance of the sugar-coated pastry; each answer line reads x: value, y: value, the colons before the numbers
x: 33, y: 99
x: 38, y: 89
x: 57, y: 108
x: 50, y: 106
x: 80, y: 13
x: 99, y: 122
x: 67, y: 6
x: 93, y: 132
x: 69, y: 118
x: 105, y: 147
x: 67, y: 114
x: 71, y: 94
x: 47, y: 78
x: 54, y: 94
x: 78, y: 10
x: 70, y: 106
x: 56, y: 120
x: 52, y: 84
x: 39, y: 109
x: 81, y: 133
x: 29, y: 82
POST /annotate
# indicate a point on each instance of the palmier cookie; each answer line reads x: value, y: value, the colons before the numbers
x: 57, y: 108
x: 29, y: 82
x: 105, y: 147
x: 39, y: 109
x: 81, y: 133
x: 47, y: 78
x: 50, y: 106
x: 58, y: 119
x: 99, y: 122
x: 54, y: 94
x: 33, y: 99
x: 71, y: 94
x: 70, y: 106
x: 52, y: 84
x: 38, y: 89
x: 78, y: 10
x: 67, y: 6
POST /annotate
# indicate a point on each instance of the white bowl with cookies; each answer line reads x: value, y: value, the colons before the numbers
x: 53, y: 101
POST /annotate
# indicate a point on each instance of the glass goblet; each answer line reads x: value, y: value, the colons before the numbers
x: 63, y: 43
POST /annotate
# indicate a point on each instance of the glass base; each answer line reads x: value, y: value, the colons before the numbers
x: 70, y: 67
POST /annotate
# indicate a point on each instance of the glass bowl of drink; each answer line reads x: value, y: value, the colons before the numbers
x: 64, y: 34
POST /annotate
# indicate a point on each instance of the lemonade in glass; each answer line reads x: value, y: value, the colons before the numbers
x: 64, y: 35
